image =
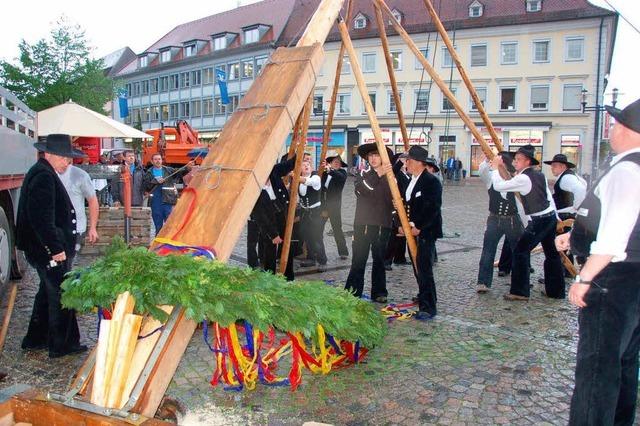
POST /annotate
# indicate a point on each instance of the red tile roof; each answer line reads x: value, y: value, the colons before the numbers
x: 451, y: 12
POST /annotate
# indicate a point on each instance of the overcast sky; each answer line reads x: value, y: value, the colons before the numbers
x: 137, y: 24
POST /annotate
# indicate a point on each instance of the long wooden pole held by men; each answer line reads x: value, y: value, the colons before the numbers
x: 463, y: 73
x: 393, y: 185
x: 438, y: 80
x: 392, y: 76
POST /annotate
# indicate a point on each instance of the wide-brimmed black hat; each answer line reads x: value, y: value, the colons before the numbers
x: 418, y: 153
x: 628, y: 117
x: 365, y: 149
x: 433, y: 163
x: 530, y: 152
x: 58, y: 144
x: 507, y: 160
x: 561, y: 158
x: 333, y: 157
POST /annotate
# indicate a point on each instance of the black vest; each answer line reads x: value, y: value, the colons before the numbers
x: 585, y: 228
x: 536, y: 200
x: 561, y: 197
x: 500, y: 206
x: 311, y: 197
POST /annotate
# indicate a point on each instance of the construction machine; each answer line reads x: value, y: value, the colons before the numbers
x: 174, y: 143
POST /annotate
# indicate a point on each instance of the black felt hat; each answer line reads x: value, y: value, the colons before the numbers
x: 530, y: 152
x: 560, y: 158
x: 365, y: 149
x: 628, y: 117
x: 58, y: 144
x: 418, y: 153
x: 507, y: 159
x: 433, y: 163
x: 333, y: 157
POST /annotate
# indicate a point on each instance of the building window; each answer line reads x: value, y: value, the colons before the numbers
x: 207, y: 107
x: 360, y: 22
x: 233, y: 103
x: 251, y: 36
x: 479, y: 55
x: 165, y: 56
x: 372, y: 98
x: 136, y: 88
x: 318, y: 101
x: 541, y: 51
x: 234, y: 71
x: 422, y: 101
x: 539, y: 98
x: 195, y: 108
x: 368, y: 62
x: 447, y: 105
x: 144, y: 86
x: 208, y: 76
x: 144, y: 112
x: 391, y: 102
x: 509, y: 53
x: 475, y: 11
x: 196, y: 77
x: 397, y: 15
x: 425, y: 53
x: 135, y: 116
x: 127, y: 89
x: 534, y: 5
x: 164, y: 83
x: 260, y: 64
x: 220, y: 43
x: 482, y: 94
x: 396, y: 60
x: 174, y: 81
x: 447, y: 60
x: 222, y: 68
x: 144, y: 61
x: 571, y: 97
x: 346, y: 65
x: 219, y: 107
x: 344, y: 104
x: 184, y: 109
x: 508, y: 99
x: 153, y: 85
x: 155, y: 113
x: 173, y: 111
x: 247, y: 68
x: 574, y: 49
x: 164, y: 112
x: 184, y: 79
x: 189, y: 50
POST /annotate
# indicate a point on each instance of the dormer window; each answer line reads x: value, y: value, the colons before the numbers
x: 534, y: 5
x: 144, y: 61
x: 251, y: 36
x: 360, y: 22
x: 476, y: 9
x: 189, y: 50
x: 220, y: 43
x: 397, y: 15
x: 165, y: 56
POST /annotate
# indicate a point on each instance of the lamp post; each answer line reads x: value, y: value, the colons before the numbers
x: 598, y: 109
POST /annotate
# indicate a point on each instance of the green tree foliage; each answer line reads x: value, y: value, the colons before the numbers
x: 56, y: 69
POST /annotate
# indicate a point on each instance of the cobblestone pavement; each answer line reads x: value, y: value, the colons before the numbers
x: 482, y: 361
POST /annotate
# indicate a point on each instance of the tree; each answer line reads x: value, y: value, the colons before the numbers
x: 54, y: 70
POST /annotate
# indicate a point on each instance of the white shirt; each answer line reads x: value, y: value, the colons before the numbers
x: 313, y: 181
x: 78, y: 184
x: 578, y: 187
x: 522, y: 184
x: 619, y: 195
x: 269, y: 189
x: 485, y: 174
x: 412, y: 184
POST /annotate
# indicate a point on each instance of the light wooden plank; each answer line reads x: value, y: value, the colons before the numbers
x: 98, y: 392
x: 126, y: 346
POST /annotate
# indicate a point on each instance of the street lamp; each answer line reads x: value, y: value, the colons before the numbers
x: 597, y: 134
x: 585, y: 108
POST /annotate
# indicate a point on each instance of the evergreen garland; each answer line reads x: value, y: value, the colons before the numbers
x: 217, y: 292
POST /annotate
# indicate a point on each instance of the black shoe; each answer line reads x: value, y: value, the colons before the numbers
x: 424, y: 316
x: 380, y: 299
x: 502, y: 273
x: 415, y: 299
x: 307, y: 263
x: 540, y: 280
x: 74, y: 350
x: 344, y: 256
x: 388, y: 268
x: 28, y: 346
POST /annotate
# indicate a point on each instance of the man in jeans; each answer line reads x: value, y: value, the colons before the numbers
x: 503, y: 220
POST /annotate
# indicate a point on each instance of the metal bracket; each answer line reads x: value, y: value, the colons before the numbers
x: 78, y: 404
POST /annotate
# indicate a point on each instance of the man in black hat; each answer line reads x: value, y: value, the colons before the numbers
x: 333, y: 180
x: 607, y: 230
x: 46, y: 232
x: 372, y: 224
x: 311, y: 223
x: 504, y: 219
x: 423, y: 200
x: 531, y: 185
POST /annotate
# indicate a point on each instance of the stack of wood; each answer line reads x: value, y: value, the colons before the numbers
x: 121, y: 355
x: 111, y: 223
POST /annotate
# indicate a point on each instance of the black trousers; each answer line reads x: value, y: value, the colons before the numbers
x: 506, y: 256
x: 497, y: 226
x: 396, y: 249
x: 253, y: 239
x: 50, y: 324
x: 427, y: 297
x: 368, y: 238
x: 334, y: 215
x: 606, y: 387
x: 311, y: 226
x: 269, y: 253
x: 539, y: 230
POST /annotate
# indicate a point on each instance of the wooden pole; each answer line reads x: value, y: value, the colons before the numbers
x: 332, y: 105
x: 436, y: 79
x: 392, y: 76
x: 295, y: 137
x: 295, y: 182
x: 13, y: 290
x: 463, y: 73
x: 393, y: 185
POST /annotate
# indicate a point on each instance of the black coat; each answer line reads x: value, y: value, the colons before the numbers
x: 169, y: 191
x: 374, y: 205
x: 332, y: 194
x: 46, y: 223
x: 424, y: 207
x: 268, y: 216
x: 279, y: 171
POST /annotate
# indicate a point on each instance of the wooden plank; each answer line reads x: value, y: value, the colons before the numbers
x: 13, y: 290
x: 321, y: 22
x: 375, y: 127
x: 98, y: 394
x: 126, y: 346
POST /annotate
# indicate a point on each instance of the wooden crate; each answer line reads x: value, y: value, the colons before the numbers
x: 111, y: 223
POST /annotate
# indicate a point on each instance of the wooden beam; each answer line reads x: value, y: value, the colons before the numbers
x: 393, y: 185
x: 463, y: 73
x: 13, y: 290
x: 437, y: 79
x: 321, y: 23
x: 392, y: 75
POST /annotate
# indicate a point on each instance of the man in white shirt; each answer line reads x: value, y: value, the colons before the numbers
x: 311, y: 224
x: 79, y: 186
x: 607, y: 290
x: 530, y: 185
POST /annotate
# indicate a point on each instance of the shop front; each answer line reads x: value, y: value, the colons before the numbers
x: 477, y: 155
x: 337, y: 145
x: 571, y: 146
x: 392, y: 137
x: 521, y: 137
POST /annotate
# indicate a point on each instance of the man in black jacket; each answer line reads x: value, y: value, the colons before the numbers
x: 333, y: 180
x: 372, y: 224
x: 46, y: 232
x: 423, y: 199
x: 137, y: 175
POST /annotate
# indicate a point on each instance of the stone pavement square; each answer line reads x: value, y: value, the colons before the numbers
x: 482, y: 361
